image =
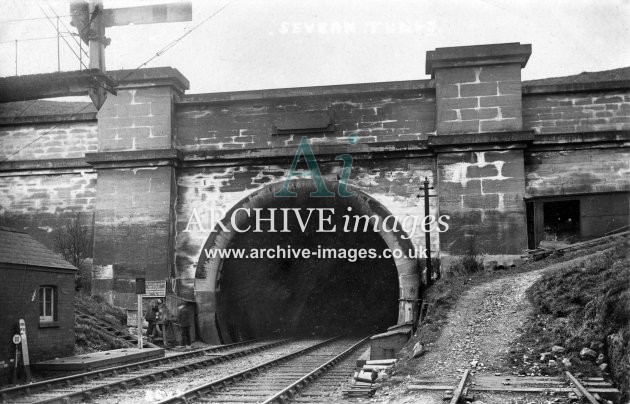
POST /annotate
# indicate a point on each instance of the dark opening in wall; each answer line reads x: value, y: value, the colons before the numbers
x: 562, y: 221
x: 557, y: 220
x: 294, y: 296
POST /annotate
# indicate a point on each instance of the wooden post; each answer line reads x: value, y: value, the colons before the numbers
x: 97, y: 49
x: 140, y: 321
x: 97, y: 42
x: 427, y: 231
x: 27, y: 365
x: 16, y: 341
x: 140, y: 290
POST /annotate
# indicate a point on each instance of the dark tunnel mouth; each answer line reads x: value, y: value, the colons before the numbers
x: 398, y: 280
x: 259, y: 298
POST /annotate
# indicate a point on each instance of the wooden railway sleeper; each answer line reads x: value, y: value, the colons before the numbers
x: 87, y: 396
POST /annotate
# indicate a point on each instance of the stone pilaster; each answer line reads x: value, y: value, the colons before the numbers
x: 479, y: 144
x: 478, y: 88
x: 136, y: 186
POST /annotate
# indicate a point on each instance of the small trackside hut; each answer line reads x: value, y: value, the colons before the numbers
x: 36, y: 285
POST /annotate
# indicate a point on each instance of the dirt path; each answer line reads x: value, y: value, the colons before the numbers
x: 481, y: 328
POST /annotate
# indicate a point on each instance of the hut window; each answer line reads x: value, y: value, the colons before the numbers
x: 47, y: 304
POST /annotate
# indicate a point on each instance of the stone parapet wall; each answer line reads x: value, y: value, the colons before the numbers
x: 577, y: 112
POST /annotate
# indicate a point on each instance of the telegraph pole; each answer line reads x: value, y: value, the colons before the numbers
x: 427, y: 231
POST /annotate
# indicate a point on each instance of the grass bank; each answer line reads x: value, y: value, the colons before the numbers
x: 444, y: 294
x: 577, y: 307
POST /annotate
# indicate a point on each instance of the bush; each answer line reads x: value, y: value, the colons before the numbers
x: 83, y: 278
x: 73, y: 240
x: 470, y: 262
x: 435, y: 266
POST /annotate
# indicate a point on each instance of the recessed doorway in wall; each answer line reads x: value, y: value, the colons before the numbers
x: 562, y: 220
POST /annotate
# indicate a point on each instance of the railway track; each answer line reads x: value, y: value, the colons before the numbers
x: 276, y: 380
x: 329, y: 388
x: 86, y: 386
x: 593, y: 390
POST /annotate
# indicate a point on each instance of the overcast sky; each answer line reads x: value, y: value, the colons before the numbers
x: 255, y: 44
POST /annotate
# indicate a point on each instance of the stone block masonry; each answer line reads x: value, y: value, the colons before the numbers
x: 136, y: 119
x: 576, y: 112
x: 38, y: 204
x: 394, y: 184
x: 392, y: 114
x: 478, y: 88
x: 574, y: 172
x: 478, y: 99
x: 132, y: 230
x: 483, y: 193
x: 134, y: 215
x: 51, y: 140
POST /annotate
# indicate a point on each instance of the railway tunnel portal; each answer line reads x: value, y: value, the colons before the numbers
x: 504, y: 157
x: 344, y: 283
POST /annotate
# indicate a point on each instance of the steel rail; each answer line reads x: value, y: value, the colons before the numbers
x: 12, y: 393
x: 199, y: 391
x: 88, y: 394
x: 289, y: 391
x: 47, y: 384
x: 108, y: 388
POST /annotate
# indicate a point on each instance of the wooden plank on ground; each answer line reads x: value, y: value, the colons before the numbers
x: 583, y: 391
x: 460, y: 387
x: 429, y: 387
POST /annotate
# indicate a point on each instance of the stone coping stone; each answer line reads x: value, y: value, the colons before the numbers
x: 405, y: 330
x: 365, y: 356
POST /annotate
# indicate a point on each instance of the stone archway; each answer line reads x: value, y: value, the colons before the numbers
x: 210, y: 277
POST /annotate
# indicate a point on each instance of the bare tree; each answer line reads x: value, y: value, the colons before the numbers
x: 73, y: 240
